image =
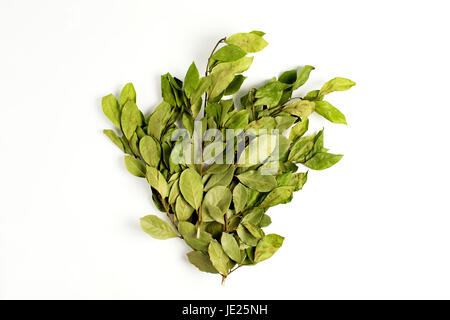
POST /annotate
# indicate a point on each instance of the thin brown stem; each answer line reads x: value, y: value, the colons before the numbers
x: 209, y: 61
x: 166, y: 208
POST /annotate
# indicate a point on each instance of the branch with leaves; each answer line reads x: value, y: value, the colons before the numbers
x: 220, y: 209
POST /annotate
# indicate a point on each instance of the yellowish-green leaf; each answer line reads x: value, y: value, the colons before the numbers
x: 249, y: 42
x: 114, y: 138
x: 111, y: 109
x: 218, y: 257
x: 135, y: 166
x: 201, y: 261
x: 336, y: 84
x: 157, y: 181
x: 150, y: 151
x: 239, y: 197
x: 183, y: 209
x: 326, y: 110
x: 302, y: 108
x: 231, y: 247
x: 323, y: 160
x: 267, y: 247
x: 191, y: 187
x: 257, y: 181
x: 277, y: 196
x: 299, y: 129
x: 128, y: 93
x: 157, y: 228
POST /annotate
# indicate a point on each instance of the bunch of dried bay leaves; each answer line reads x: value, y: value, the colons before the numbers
x: 219, y: 207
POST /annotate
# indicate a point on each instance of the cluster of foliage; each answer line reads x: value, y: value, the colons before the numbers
x: 219, y: 209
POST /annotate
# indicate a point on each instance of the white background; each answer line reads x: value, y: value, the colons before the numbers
x: 377, y: 225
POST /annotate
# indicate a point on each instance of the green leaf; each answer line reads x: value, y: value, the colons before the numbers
x: 167, y: 92
x: 135, y: 166
x: 239, y: 197
x: 299, y: 129
x: 300, y: 179
x: 128, y: 93
x: 201, y: 261
x: 288, y: 77
x: 223, y: 74
x: 150, y: 151
x: 267, y: 247
x: 277, y: 196
x: 214, y: 212
x: 265, y: 221
x: 189, y: 233
x: 270, y: 87
x: 157, y: 228
x: 259, y: 33
x: 188, y: 123
x: 249, y: 42
x: 183, y: 209
x: 302, y: 76
x: 284, y: 122
x: 336, y: 84
x: 302, y: 108
x: 229, y: 53
x: 255, y: 180
x: 218, y: 257
x: 323, y: 160
x: 192, y: 80
x: 326, y: 110
x: 312, y: 95
x: 220, y: 179
x: 191, y: 187
x: 158, y: 120
x: 203, y: 85
x: 131, y: 118
x: 239, y: 120
x: 235, y: 85
x: 265, y: 123
x: 111, y: 109
x: 134, y: 144
x: 219, y: 196
x: 157, y: 181
x: 174, y: 192
x: 254, y: 230
x: 115, y: 139
x: 246, y: 236
x: 258, y: 150
x: 231, y: 247
x: 254, y: 216
x: 301, y: 148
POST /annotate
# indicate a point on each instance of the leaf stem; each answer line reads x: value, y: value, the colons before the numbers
x: 166, y: 208
x: 209, y: 61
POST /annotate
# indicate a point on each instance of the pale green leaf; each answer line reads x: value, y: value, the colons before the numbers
x: 191, y: 187
x: 157, y: 181
x: 231, y: 247
x: 336, y: 84
x: 323, y: 160
x: 255, y: 180
x: 128, y: 93
x: 201, y: 261
x: 218, y: 257
x: 150, y: 151
x: 326, y: 110
x: 267, y: 247
x: 135, y: 166
x: 111, y: 109
x: 239, y: 197
x: 249, y: 42
x: 157, y: 228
